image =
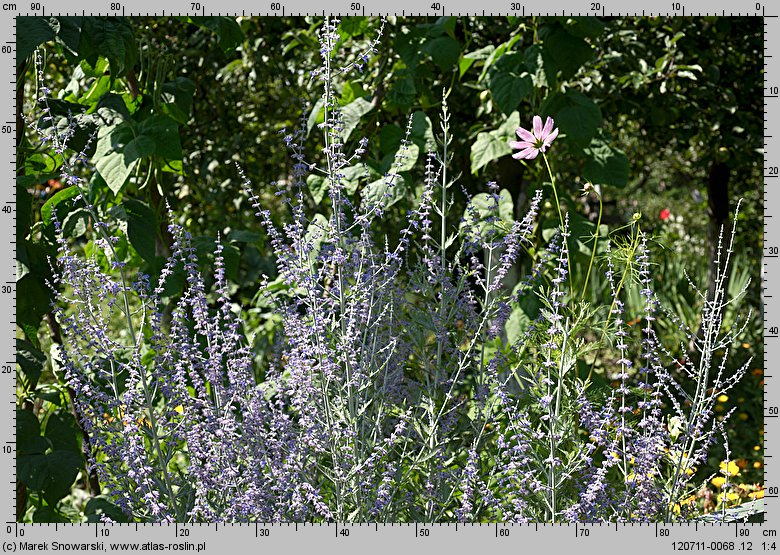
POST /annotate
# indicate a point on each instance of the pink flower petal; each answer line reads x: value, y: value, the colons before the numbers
x: 525, y: 134
x: 518, y: 156
x: 537, y: 127
x: 551, y: 137
x: 548, y: 125
x: 529, y: 153
x: 520, y: 144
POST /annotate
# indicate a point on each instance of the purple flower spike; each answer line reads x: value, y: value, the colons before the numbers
x: 532, y: 143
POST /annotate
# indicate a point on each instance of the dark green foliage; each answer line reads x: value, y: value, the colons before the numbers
x: 646, y: 107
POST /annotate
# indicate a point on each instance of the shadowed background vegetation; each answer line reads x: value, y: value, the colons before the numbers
x: 664, y: 117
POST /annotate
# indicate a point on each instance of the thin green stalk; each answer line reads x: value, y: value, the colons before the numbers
x: 595, y: 245
x: 635, y: 234
x: 560, y: 217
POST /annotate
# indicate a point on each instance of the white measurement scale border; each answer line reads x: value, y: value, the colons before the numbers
x: 344, y: 538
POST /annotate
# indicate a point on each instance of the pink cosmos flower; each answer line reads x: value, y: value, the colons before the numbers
x: 533, y: 143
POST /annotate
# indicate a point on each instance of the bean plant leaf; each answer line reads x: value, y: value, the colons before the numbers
x: 62, y: 432
x: 379, y: 191
x: 32, y: 470
x: 164, y: 132
x: 486, y: 148
x: 31, y: 32
x: 28, y: 434
x: 605, y: 165
x: 48, y: 209
x: 23, y: 209
x: 444, y: 52
x: 141, y: 228
x: 470, y: 58
x: 578, y: 119
x: 317, y: 187
x: 509, y: 82
x: 63, y: 467
x: 179, y: 94
x: 403, y: 92
x: 228, y: 31
x: 487, y: 212
x: 110, y: 159
x: 566, y: 51
x: 98, y: 507
x: 353, y: 25
x: 582, y: 27
x: 422, y: 131
x: 352, y: 113
x: 390, y: 138
x: 30, y: 361
x: 70, y: 32
x: 112, y: 38
x: 314, y: 115
x: 32, y: 300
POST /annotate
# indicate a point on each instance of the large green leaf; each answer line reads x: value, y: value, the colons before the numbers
x: 494, y: 144
x: 178, y: 94
x: 112, y: 162
x: 165, y: 133
x: 28, y: 434
x: 31, y: 32
x: 487, y: 148
x: 352, y: 113
x: 228, y: 31
x: 444, y: 52
x: 63, y: 468
x: 32, y: 300
x: 522, y: 316
x: 379, y: 192
x: 488, y: 213
x: 605, y: 165
x: 578, y: 119
x: 32, y: 470
x: 390, y: 138
x: 583, y: 27
x: 112, y: 38
x: 509, y: 82
x: 70, y: 31
x: 62, y: 432
x: 403, y: 91
x: 23, y: 210
x: 352, y: 26
x: 30, y: 360
x: 141, y: 227
x: 97, y: 507
x: 566, y: 51
x: 59, y: 197
x: 422, y: 132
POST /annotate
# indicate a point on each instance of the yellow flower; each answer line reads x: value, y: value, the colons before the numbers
x: 722, y: 398
x: 758, y: 464
x: 718, y: 481
x: 727, y: 496
x: 757, y: 494
x: 729, y: 468
x: 687, y: 501
x: 179, y: 409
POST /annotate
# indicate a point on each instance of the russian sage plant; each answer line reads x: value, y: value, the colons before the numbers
x: 393, y: 393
